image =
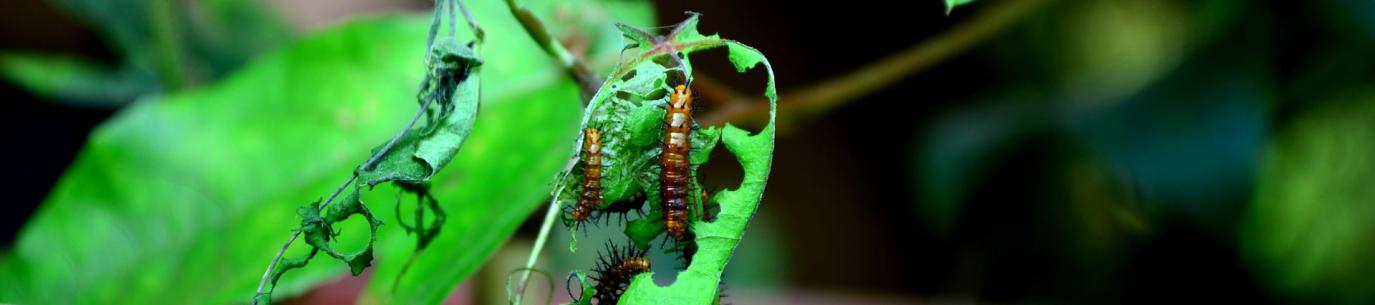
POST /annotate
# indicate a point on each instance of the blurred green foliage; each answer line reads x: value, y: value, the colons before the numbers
x: 166, y: 45
x: 1310, y: 231
x: 1132, y: 121
x: 183, y: 199
x: 74, y: 80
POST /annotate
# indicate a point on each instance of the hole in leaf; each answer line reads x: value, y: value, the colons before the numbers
x: 667, y: 61
x: 353, y: 234
x: 721, y: 172
x: 656, y: 94
x: 676, y: 77
x: 667, y: 264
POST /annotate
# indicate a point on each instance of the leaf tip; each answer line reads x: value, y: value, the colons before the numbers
x: 951, y: 4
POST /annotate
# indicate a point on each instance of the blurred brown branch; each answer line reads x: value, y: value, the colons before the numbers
x: 831, y: 93
x: 587, y: 81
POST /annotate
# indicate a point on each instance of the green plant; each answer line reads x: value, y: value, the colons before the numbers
x: 246, y: 151
x: 629, y: 109
x: 449, y: 102
x: 165, y: 47
x: 184, y: 198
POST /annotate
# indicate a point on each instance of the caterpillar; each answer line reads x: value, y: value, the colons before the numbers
x: 623, y: 207
x: 591, y: 196
x: 614, y: 270
x: 673, y: 177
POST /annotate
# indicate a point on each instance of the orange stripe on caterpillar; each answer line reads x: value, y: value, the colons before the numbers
x: 674, y: 174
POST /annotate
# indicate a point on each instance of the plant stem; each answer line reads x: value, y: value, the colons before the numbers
x: 377, y: 156
x: 266, y: 274
x: 829, y: 94
x: 168, y: 61
x: 385, y: 148
x: 587, y: 80
x: 472, y: 22
x: 539, y: 245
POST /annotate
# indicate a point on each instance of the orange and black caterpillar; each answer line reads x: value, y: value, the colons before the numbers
x: 615, y: 269
x: 591, y: 195
x: 674, y: 174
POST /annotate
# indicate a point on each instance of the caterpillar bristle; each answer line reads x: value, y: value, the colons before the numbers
x: 615, y: 268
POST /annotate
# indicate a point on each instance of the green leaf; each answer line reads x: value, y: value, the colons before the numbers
x: 73, y: 80
x: 521, y: 148
x: 717, y: 239
x: 319, y: 231
x: 951, y: 4
x: 1309, y: 231
x: 181, y: 42
x: 588, y: 289
x: 621, y: 106
x: 186, y: 198
x: 424, y: 150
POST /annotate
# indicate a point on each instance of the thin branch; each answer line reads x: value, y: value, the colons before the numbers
x: 539, y: 245
x: 377, y: 156
x: 832, y: 93
x: 472, y: 22
x: 587, y: 80
x: 434, y: 27
x: 266, y: 274
x: 452, y: 28
x: 713, y: 93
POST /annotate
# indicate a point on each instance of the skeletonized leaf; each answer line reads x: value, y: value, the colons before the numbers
x: 631, y: 108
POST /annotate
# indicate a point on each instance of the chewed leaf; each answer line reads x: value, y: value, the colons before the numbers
x: 717, y: 240
x: 452, y: 85
x: 585, y: 297
x: 703, y: 142
x: 744, y: 58
x: 399, y: 164
x: 460, y: 113
x: 630, y: 109
x: 643, y: 231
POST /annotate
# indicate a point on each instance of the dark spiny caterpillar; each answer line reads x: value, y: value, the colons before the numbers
x: 674, y: 174
x: 615, y: 268
x: 591, y: 196
x: 623, y: 207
